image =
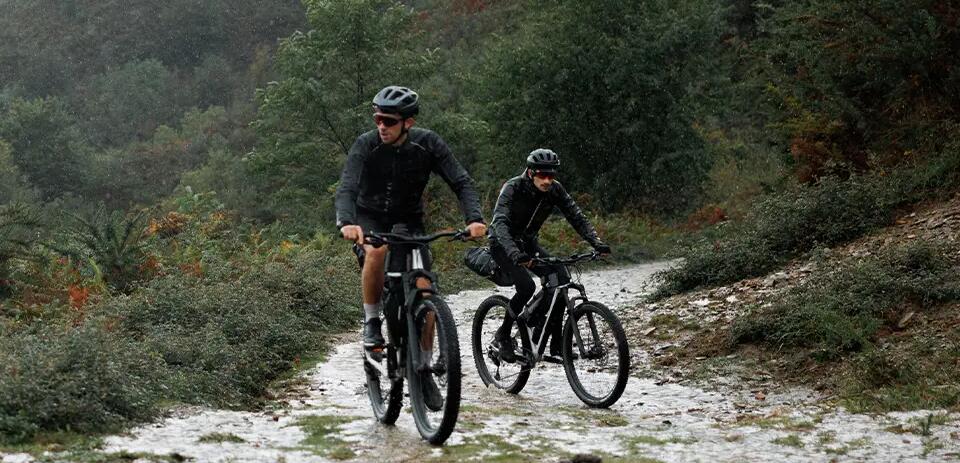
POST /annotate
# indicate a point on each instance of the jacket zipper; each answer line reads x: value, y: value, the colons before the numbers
x: 532, y: 217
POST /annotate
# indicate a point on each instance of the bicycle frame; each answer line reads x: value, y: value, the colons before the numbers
x: 559, y: 290
x: 402, y: 284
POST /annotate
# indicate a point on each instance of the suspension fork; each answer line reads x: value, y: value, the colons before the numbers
x: 575, y: 327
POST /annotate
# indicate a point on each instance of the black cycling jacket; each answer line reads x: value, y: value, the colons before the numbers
x: 390, y: 180
x: 522, y: 209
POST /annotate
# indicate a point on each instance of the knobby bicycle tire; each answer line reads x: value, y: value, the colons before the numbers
x: 386, y: 407
x: 599, y: 313
x: 449, y: 348
x: 481, y: 346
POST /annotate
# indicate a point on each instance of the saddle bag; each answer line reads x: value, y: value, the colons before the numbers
x: 480, y: 260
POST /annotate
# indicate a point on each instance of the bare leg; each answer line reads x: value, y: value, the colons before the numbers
x: 372, y: 276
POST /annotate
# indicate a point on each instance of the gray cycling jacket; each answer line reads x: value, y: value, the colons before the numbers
x: 390, y: 180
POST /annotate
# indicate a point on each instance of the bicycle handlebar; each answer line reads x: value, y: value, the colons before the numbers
x: 378, y: 239
x: 587, y: 256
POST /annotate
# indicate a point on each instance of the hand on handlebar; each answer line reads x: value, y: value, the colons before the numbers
x: 476, y: 230
x: 523, y: 259
x: 352, y: 233
x: 602, y: 249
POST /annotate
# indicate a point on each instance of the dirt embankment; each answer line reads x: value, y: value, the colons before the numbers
x: 685, y: 338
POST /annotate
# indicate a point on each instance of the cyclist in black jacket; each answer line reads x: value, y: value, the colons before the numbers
x: 524, y: 204
x: 382, y: 186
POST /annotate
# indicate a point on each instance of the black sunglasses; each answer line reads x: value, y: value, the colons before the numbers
x: 386, y: 121
x: 545, y: 175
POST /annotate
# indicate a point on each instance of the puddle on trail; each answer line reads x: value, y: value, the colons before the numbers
x: 332, y: 420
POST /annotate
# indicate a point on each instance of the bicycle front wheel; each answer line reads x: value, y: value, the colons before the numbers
x: 433, y: 372
x: 596, y: 357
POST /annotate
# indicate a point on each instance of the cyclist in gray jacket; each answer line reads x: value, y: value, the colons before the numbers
x: 382, y: 186
x: 523, y: 206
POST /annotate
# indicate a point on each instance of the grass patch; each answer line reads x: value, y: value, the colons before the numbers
x: 914, y: 373
x: 776, y: 422
x: 321, y: 435
x: 846, y: 447
x: 921, y: 426
x: 471, y: 418
x: 488, y: 447
x: 59, y: 447
x: 929, y: 445
x: 55, y: 442
x: 115, y: 457
x: 605, y: 418
x: 631, y: 458
x: 673, y: 322
x: 635, y: 441
x: 826, y: 437
x: 790, y: 441
x: 219, y: 437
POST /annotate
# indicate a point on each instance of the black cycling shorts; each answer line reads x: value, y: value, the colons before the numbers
x: 369, y: 220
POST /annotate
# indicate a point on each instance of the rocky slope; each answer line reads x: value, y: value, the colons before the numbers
x: 685, y: 337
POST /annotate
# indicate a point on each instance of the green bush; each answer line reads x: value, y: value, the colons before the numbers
x: 214, y: 333
x: 842, y: 310
x: 84, y: 379
x: 860, y: 84
x: 782, y: 226
x: 226, y: 337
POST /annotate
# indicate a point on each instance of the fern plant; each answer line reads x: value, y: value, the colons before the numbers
x: 111, y: 243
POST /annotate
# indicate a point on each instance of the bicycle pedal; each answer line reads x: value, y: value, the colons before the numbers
x: 374, y: 355
x: 494, y: 357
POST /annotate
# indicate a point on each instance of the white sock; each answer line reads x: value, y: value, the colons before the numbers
x: 371, y: 311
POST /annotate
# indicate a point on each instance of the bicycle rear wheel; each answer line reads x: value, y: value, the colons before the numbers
x: 385, y: 393
x: 596, y: 357
x: 434, y: 363
x: 509, y: 376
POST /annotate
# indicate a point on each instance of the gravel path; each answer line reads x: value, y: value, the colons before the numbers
x: 331, y: 420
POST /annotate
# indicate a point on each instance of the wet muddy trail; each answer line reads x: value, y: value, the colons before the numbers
x: 329, y: 418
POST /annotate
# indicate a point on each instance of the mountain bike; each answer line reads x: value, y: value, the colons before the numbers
x: 596, y: 358
x: 421, y: 339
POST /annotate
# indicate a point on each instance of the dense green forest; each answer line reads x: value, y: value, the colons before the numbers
x: 168, y: 168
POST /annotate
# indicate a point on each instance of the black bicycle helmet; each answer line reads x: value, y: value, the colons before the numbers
x: 543, y: 160
x: 397, y: 100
